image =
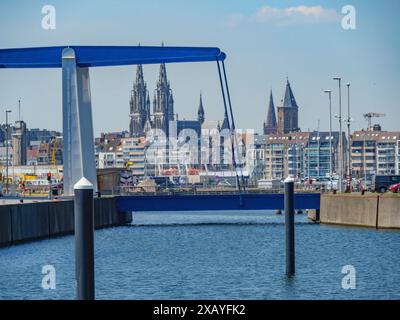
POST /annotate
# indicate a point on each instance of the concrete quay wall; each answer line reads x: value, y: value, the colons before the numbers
x: 30, y: 221
x: 370, y: 210
x: 389, y: 212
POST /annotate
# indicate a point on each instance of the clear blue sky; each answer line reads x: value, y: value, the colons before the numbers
x: 264, y: 41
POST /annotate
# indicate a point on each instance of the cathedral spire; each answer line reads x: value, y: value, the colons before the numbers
x: 138, y: 104
x: 163, y: 103
x: 139, y: 74
x: 225, y: 124
x: 148, y: 106
x: 163, y: 74
x: 200, y: 111
x: 288, y: 112
x: 270, y: 125
x: 289, y: 101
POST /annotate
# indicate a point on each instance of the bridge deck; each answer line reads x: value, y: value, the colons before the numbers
x: 201, y: 202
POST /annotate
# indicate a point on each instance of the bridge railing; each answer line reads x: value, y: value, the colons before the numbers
x: 151, y: 191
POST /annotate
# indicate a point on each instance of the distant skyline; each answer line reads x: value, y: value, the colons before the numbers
x: 265, y: 42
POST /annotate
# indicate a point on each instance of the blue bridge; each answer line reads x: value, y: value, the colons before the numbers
x: 203, y: 202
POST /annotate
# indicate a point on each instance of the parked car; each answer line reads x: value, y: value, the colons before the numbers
x: 395, y: 187
x: 383, y: 182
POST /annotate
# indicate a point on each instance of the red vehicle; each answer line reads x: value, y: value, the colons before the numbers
x: 395, y: 187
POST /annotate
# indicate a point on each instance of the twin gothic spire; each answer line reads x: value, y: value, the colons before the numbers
x: 288, y: 110
x: 163, y: 105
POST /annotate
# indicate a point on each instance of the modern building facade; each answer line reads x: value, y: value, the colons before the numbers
x: 128, y: 153
x: 299, y: 154
x: 133, y: 150
x: 375, y: 153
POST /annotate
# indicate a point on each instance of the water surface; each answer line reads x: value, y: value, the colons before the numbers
x: 209, y: 255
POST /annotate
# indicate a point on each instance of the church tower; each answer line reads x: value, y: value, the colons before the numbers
x: 288, y: 113
x: 163, y: 102
x: 225, y: 123
x: 200, y: 112
x: 270, y: 125
x: 138, y: 105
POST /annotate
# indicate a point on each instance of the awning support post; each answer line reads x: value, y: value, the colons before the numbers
x: 78, y: 141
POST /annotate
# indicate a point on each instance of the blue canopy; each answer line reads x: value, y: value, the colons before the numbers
x: 99, y: 56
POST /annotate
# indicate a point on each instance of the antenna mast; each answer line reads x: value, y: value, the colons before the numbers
x: 19, y: 109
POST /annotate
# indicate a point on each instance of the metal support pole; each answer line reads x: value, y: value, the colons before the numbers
x: 349, y: 178
x: 78, y: 142
x: 330, y: 137
x: 341, y: 137
x: 289, y: 226
x: 84, y: 240
x: 230, y: 129
x: 340, y: 157
x: 7, y: 152
x: 232, y: 121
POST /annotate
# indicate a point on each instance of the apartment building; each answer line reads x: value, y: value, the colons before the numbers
x: 300, y: 154
x: 122, y: 153
x: 133, y: 152
x: 375, y: 152
x: 110, y: 155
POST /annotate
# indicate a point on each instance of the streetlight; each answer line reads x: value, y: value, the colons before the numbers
x: 348, y: 140
x: 340, y: 136
x: 7, y: 112
x: 329, y: 92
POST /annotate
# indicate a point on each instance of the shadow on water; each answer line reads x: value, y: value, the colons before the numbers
x: 208, y: 218
x: 191, y: 224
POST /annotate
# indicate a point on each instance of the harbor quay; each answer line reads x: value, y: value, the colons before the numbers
x: 380, y: 211
x: 40, y: 219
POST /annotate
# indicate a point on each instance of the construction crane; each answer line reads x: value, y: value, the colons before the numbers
x: 51, y: 151
x: 370, y: 115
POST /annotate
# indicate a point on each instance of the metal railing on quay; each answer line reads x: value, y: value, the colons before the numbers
x: 152, y: 191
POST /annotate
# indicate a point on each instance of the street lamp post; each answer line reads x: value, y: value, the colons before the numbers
x: 7, y: 112
x: 340, y: 136
x: 364, y: 164
x: 329, y: 92
x: 348, y: 140
x: 308, y: 160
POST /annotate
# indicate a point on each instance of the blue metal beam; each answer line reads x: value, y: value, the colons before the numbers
x: 266, y: 201
x: 100, y: 56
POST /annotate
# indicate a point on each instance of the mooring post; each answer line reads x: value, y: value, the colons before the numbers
x: 289, y: 226
x: 317, y: 215
x: 84, y: 239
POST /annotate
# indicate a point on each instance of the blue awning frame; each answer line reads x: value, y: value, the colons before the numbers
x: 101, y: 56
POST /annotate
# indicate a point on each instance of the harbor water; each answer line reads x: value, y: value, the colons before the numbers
x: 212, y: 255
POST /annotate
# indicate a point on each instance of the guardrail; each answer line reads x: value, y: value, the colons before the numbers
x: 140, y: 191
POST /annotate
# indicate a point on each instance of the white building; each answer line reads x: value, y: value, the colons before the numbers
x: 375, y: 152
